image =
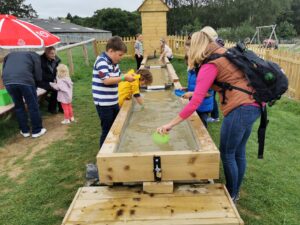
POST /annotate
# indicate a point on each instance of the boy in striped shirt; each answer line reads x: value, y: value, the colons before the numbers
x: 106, y: 76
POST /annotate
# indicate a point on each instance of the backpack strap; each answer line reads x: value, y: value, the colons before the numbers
x: 261, y: 132
x: 226, y: 86
x: 223, y: 85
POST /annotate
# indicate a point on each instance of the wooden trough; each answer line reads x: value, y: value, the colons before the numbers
x: 138, y: 166
x: 163, y: 199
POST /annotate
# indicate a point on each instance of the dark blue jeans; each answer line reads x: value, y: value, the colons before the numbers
x: 107, y: 115
x: 203, y: 116
x: 18, y: 92
x: 235, y: 131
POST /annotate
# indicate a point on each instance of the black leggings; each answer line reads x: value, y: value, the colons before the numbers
x: 138, y: 61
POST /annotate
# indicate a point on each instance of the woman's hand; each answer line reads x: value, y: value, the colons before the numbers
x: 187, y: 95
x: 164, y: 129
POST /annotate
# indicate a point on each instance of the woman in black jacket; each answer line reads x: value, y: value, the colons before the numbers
x: 49, y: 62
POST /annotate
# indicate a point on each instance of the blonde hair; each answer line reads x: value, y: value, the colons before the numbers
x: 199, y: 43
x: 62, y: 71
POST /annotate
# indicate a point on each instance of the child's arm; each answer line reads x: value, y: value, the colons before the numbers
x: 139, y: 99
x: 116, y: 80
x: 54, y: 85
x: 162, y: 55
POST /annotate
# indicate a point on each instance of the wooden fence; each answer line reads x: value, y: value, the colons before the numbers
x: 100, y: 46
x: 289, y: 61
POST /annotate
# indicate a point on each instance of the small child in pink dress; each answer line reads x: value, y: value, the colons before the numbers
x: 64, y: 87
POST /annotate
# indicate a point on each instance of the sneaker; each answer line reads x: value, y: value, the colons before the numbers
x: 212, y: 120
x: 42, y: 132
x: 72, y: 119
x: 65, y: 121
x: 25, y: 135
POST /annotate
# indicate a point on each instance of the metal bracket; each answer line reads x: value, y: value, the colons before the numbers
x: 157, y: 168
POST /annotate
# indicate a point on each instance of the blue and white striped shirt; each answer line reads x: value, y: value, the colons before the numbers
x: 105, y: 95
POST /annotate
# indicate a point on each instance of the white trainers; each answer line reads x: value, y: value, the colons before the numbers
x: 72, y: 119
x: 65, y: 121
x: 42, y: 132
x: 25, y: 135
x: 212, y: 120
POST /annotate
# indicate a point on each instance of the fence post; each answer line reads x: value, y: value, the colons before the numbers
x: 297, y: 83
x: 70, y: 61
x: 267, y: 55
x: 95, y: 48
x: 85, y: 54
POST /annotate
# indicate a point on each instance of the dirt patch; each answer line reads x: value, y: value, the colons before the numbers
x: 20, y: 150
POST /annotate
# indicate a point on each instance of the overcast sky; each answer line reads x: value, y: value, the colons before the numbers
x: 83, y: 8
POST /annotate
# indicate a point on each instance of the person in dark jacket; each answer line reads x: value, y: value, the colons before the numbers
x: 21, y: 73
x: 50, y: 61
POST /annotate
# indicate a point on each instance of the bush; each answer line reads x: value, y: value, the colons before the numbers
x: 226, y: 33
x: 286, y: 30
x: 236, y: 34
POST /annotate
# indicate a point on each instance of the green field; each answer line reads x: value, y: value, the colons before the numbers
x: 42, y: 193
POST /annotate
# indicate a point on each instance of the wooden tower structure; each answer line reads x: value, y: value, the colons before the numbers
x: 154, y: 24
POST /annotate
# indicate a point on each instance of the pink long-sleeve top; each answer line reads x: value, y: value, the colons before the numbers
x: 205, y: 80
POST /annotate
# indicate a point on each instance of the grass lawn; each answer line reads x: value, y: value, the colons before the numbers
x: 43, y: 192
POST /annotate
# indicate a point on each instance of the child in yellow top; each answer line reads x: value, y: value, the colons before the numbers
x: 143, y: 77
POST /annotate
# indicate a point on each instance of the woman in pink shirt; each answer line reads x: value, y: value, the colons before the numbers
x: 240, y: 110
x: 64, y: 87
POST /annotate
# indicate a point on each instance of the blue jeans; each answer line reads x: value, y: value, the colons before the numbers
x: 235, y: 131
x: 18, y: 92
x: 107, y: 115
x: 203, y: 116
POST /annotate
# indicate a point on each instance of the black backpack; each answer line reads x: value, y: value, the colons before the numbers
x: 267, y: 79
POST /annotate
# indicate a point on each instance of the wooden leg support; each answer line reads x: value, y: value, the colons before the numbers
x: 164, y: 187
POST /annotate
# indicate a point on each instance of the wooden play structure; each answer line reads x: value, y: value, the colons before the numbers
x: 154, y: 24
x: 150, y: 183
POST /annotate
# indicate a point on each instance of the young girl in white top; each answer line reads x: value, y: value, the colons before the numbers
x: 165, y: 50
x: 139, y: 50
x: 64, y: 87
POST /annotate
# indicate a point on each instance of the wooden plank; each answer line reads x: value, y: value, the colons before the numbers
x: 93, y: 193
x: 103, y: 205
x: 176, y: 165
x: 158, y: 187
x: 113, y: 138
x: 171, y: 71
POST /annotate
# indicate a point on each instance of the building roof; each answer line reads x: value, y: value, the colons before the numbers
x: 153, y: 6
x: 61, y: 26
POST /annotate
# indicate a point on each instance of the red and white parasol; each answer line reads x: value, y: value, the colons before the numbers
x: 15, y: 33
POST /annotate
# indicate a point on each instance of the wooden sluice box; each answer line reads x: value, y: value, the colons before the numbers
x: 129, y: 155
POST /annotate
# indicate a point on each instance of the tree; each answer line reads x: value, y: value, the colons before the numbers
x: 119, y: 22
x: 295, y: 8
x: 286, y: 30
x: 17, y: 8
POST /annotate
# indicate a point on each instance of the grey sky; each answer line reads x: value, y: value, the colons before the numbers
x: 83, y: 8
